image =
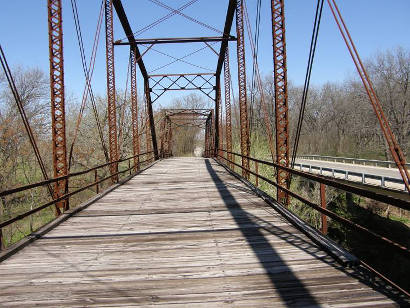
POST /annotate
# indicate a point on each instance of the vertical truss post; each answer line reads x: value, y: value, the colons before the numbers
x: 212, y: 134
x: 165, y: 138
x: 134, y: 111
x: 281, y: 97
x: 228, y: 120
x: 217, y: 109
x: 55, y: 35
x: 112, y: 116
x: 162, y: 138
x: 208, y: 128
x: 206, y: 138
x: 244, y: 123
x: 148, y: 143
x: 150, y: 114
x: 209, y: 135
x: 169, y: 138
x: 323, y: 205
x: 220, y: 121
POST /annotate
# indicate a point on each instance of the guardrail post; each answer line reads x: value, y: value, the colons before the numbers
x: 347, y: 175
x: 323, y: 205
x: 363, y: 178
x: 382, y: 183
x: 1, y: 240
x: 257, y: 172
x: 97, y: 187
x: 320, y: 170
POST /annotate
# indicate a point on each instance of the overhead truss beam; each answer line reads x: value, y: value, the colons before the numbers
x: 176, y: 82
x: 177, y: 40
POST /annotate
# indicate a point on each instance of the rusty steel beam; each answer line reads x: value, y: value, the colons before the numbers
x: 244, y: 122
x: 220, y: 121
x: 169, y: 138
x: 134, y: 110
x: 177, y: 40
x: 151, y: 118
x: 208, y: 135
x: 228, y: 120
x: 130, y: 35
x: 173, y: 83
x: 148, y: 140
x: 281, y: 97
x: 227, y: 30
x: 206, y: 152
x: 161, y: 137
x: 323, y: 217
x: 217, y: 112
x: 112, y: 116
x: 186, y: 74
x: 55, y: 35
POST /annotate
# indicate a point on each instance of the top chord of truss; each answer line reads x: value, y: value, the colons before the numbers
x: 175, y: 40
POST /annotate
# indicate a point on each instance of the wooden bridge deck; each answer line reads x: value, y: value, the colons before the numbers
x: 182, y: 233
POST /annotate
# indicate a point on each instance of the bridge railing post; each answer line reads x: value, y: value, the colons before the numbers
x: 257, y: 174
x: 97, y: 187
x: 323, y: 205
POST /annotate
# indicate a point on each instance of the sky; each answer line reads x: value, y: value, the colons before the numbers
x: 375, y: 25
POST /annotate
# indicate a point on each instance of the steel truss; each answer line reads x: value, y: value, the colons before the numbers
x: 228, y: 120
x: 243, y: 109
x: 281, y: 97
x: 112, y: 116
x: 182, y: 118
x: 159, y: 84
x: 134, y: 109
x: 55, y: 35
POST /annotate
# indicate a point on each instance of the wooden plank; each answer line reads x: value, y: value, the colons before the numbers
x: 182, y: 233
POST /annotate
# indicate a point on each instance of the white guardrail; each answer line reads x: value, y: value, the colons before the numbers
x: 364, y: 176
x: 369, y: 162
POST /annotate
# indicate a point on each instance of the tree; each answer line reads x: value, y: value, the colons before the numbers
x: 390, y: 73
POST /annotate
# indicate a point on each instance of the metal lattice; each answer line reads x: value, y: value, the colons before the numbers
x: 203, y: 82
x: 281, y: 96
x: 112, y: 125
x: 243, y: 111
x: 55, y: 32
x: 134, y: 110
x: 228, y: 120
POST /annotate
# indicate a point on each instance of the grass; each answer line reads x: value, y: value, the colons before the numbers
x: 402, y: 219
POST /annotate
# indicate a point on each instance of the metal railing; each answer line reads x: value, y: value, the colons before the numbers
x: 321, y: 208
x: 96, y: 183
x: 346, y: 173
x: 369, y: 162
